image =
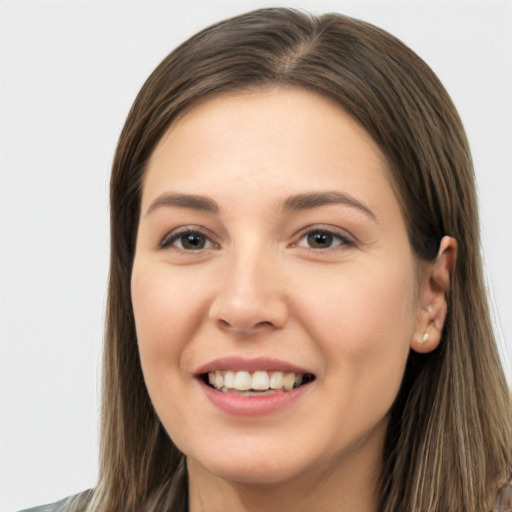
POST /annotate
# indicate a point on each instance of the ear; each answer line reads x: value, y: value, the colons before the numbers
x: 433, y: 296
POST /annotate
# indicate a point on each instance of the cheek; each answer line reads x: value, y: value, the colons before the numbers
x: 364, y: 321
x: 164, y: 316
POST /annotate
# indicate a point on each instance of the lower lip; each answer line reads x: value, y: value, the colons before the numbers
x: 240, y: 405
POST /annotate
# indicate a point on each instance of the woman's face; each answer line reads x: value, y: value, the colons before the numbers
x: 272, y: 254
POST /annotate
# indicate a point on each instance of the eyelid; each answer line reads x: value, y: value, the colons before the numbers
x: 347, y: 240
x: 172, y: 236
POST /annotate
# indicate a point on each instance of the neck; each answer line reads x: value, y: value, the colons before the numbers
x: 347, y: 483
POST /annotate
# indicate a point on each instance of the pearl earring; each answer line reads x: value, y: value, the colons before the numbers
x: 425, y: 337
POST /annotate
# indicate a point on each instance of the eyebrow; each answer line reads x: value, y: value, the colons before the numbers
x: 316, y: 199
x: 291, y: 204
x: 201, y: 203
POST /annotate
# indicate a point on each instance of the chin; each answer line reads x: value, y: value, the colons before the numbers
x: 256, y: 463
x: 254, y: 472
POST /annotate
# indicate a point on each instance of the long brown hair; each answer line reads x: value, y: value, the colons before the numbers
x: 448, y: 440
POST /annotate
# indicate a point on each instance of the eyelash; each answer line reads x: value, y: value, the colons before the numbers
x: 170, y: 239
x: 341, y: 236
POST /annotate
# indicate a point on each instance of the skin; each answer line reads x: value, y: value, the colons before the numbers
x: 348, y: 312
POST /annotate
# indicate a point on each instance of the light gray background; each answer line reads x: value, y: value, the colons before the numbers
x: 68, y: 74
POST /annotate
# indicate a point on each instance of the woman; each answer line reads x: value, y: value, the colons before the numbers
x: 297, y: 317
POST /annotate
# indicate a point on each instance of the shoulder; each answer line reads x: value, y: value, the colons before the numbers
x: 66, y: 505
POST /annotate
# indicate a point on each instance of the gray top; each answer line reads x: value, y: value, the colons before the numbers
x: 503, y: 502
x: 60, y: 506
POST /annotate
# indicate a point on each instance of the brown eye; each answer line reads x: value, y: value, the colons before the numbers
x: 320, y: 239
x: 187, y: 240
x: 324, y: 238
x: 192, y: 241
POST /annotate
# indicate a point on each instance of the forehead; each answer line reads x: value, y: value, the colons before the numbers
x: 280, y: 140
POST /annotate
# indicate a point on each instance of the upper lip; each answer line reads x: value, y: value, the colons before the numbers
x: 250, y: 365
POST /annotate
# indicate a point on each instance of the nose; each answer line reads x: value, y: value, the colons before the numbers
x: 251, y: 297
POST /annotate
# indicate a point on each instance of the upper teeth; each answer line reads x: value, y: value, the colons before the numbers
x: 260, y: 380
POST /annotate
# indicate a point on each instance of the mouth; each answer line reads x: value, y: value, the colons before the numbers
x: 256, y: 383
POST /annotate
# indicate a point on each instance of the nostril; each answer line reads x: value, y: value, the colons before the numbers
x: 244, y: 327
x: 264, y: 324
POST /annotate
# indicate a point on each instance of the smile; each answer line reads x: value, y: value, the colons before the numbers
x: 259, y: 382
